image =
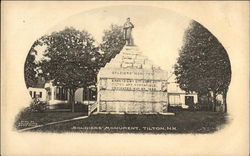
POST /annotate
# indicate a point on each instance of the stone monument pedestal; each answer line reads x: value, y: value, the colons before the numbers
x: 130, y: 83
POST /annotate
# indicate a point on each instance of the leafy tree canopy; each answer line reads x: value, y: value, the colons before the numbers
x: 73, y: 59
x: 30, y: 66
x: 203, y: 64
x: 112, y: 42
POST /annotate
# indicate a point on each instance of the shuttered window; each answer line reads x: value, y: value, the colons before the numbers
x: 34, y: 94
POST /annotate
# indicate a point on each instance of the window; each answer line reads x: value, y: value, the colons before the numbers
x: 89, y: 94
x: 49, y: 95
x: 93, y: 94
x: 31, y: 93
x: 34, y: 94
x: 61, y: 93
x: 58, y: 93
x: 84, y: 95
x: 40, y: 95
x: 64, y: 94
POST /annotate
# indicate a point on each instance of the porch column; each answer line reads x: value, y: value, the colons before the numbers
x: 52, y: 93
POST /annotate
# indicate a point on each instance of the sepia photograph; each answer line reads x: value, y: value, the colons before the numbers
x: 107, y: 79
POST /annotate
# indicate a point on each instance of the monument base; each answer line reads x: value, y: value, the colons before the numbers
x: 131, y: 84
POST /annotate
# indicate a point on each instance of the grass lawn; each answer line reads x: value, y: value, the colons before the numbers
x: 28, y: 119
x: 182, y: 122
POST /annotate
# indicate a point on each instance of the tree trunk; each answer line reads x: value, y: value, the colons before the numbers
x: 85, y: 90
x: 225, y: 100
x: 209, y: 102
x: 214, y: 101
x: 72, y: 99
x: 199, y: 99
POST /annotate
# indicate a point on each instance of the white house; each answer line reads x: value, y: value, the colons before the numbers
x: 56, y: 94
x: 86, y: 97
x: 178, y: 97
x: 38, y: 92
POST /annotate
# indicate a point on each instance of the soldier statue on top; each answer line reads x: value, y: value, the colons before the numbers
x: 128, y: 26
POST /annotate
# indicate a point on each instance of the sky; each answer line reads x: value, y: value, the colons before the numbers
x: 158, y: 32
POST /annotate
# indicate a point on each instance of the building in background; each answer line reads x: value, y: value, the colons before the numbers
x: 177, y: 96
x: 87, y: 96
x: 53, y: 95
x: 38, y: 90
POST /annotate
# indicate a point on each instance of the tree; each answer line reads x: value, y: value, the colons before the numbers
x: 31, y: 67
x: 73, y: 62
x: 203, y: 65
x: 112, y: 42
x: 29, y: 71
x: 30, y: 74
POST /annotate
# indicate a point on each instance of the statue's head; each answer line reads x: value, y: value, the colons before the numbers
x: 128, y: 19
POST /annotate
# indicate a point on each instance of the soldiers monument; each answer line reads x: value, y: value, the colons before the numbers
x: 131, y: 83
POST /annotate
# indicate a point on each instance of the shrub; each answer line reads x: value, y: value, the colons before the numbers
x: 62, y: 106
x: 79, y: 107
x: 174, y: 108
x: 200, y: 107
x: 37, y: 106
